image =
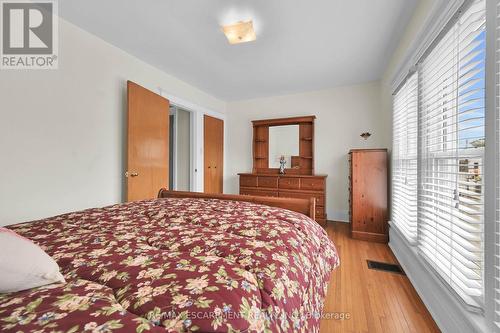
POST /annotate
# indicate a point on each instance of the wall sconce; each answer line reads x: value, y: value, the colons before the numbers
x: 365, y: 135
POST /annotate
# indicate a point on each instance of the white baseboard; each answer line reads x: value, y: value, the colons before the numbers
x: 448, y: 312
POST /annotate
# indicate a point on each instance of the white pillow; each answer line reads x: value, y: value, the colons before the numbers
x: 23, y: 264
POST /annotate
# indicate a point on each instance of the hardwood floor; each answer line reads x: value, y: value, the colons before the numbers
x: 371, y: 301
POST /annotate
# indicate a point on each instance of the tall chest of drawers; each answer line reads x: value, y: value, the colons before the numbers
x: 368, y: 194
x: 287, y: 186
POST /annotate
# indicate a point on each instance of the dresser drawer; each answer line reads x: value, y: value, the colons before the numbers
x: 320, y: 212
x: 269, y: 182
x: 259, y: 193
x: 290, y: 183
x: 320, y: 199
x: 315, y: 184
x: 248, y: 181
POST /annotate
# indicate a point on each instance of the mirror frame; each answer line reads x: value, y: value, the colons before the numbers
x: 261, y: 145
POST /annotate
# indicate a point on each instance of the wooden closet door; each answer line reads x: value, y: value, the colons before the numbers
x: 148, y: 139
x: 213, y: 154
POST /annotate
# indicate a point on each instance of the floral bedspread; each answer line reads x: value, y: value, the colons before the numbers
x: 177, y: 265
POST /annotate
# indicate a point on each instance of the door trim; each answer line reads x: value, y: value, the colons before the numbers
x: 197, y: 157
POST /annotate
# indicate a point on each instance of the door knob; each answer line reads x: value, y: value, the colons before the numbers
x: 131, y: 174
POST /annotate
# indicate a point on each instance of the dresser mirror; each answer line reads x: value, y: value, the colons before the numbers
x: 292, y: 138
x: 284, y: 141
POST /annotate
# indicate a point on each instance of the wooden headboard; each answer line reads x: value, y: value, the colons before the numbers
x: 304, y: 206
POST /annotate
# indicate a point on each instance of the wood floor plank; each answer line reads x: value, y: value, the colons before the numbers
x: 374, y: 301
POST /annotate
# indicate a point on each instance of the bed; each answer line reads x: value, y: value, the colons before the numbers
x: 177, y: 264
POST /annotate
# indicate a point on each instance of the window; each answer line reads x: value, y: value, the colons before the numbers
x: 404, y: 159
x: 451, y: 114
x: 438, y: 153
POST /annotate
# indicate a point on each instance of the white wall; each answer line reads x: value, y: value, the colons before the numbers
x: 343, y: 113
x: 411, y: 31
x: 415, y: 26
x: 62, y: 132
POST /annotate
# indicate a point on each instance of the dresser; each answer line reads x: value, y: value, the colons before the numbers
x: 287, y: 186
x: 368, y: 191
x: 285, y: 145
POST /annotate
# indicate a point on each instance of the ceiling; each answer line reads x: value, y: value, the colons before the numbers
x: 301, y: 45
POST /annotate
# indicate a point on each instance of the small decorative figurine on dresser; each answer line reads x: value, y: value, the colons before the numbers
x: 282, y: 165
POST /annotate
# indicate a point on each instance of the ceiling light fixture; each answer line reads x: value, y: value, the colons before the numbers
x: 240, y: 32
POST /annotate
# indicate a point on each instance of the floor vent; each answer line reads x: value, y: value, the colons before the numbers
x: 382, y: 266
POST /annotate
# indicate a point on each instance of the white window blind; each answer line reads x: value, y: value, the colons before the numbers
x: 497, y: 180
x: 404, y: 158
x: 451, y: 130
